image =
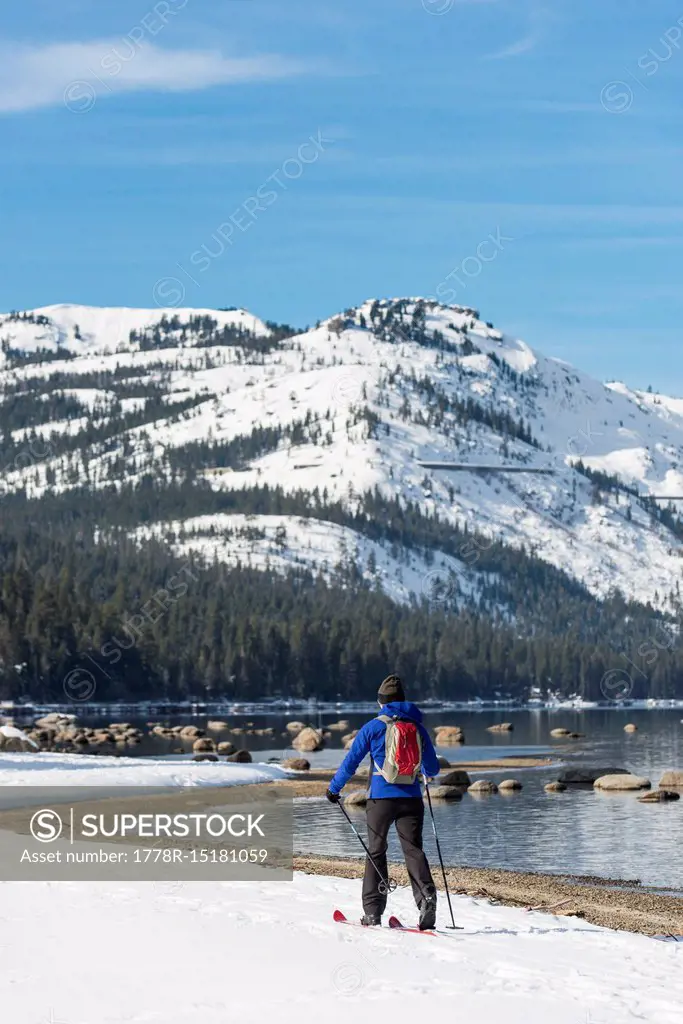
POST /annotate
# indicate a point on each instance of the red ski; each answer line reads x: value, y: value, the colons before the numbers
x: 395, y: 923
x: 343, y: 919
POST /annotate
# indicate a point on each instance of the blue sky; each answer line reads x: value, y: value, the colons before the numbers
x: 153, y: 151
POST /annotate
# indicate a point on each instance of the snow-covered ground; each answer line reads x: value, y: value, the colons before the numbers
x: 47, y: 769
x: 145, y: 953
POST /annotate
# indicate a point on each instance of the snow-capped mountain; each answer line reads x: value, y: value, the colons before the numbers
x: 352, y: 406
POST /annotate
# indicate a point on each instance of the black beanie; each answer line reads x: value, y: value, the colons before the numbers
x: 391, y: 690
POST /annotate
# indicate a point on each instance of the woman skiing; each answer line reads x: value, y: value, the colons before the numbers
x: 401, y: 750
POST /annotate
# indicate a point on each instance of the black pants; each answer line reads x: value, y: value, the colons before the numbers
x: 408, y: 815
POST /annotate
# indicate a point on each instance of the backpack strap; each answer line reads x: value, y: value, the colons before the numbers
x: 386, y: 719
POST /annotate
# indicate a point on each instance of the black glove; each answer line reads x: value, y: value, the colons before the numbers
x: 334, y: 798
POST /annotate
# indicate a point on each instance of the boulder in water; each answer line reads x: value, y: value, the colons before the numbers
x: 55, y: 718
x: 659, y: 796
x: 445, y: 792
x: 621, y: 783
x: 483, y: 787
x: 103, y: 737
x: 308, y: 740
x: 458, y: 777
x: 448, y: 735
x: 672, y: 779
x: 203, y: 745
x: 191, y: 732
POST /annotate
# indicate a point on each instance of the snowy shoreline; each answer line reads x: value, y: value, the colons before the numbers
x: 54, y: 769
x: 616, y: 903
x: 191, y: 709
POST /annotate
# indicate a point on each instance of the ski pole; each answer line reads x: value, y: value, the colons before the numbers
x: 452, y: 925
x: 385, y: 885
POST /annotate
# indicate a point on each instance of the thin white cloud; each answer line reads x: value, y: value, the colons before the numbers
x: 539, y: 19
x: 524, y: 45
x: 81, y: 73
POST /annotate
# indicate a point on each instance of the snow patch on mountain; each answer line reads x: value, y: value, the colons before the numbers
x: 282, y: 543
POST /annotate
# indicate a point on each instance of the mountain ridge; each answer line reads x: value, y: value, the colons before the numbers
x: 348, y: 407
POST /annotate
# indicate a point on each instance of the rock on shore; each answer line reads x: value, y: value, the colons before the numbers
x: 13, y: 739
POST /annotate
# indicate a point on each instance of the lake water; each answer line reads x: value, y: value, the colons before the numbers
x: 583, y: 832
x: 580, y: 832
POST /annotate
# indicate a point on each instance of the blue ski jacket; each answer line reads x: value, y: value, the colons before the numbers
x: 370, y: 740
